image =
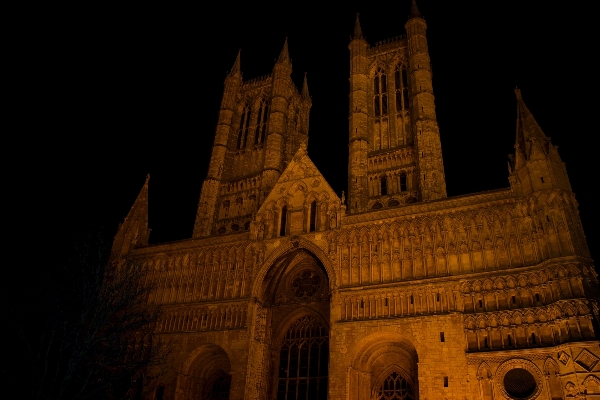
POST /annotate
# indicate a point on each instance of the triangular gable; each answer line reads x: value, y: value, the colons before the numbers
x: 300, y: 184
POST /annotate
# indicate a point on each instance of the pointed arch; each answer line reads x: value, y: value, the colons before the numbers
x: 244, y: 126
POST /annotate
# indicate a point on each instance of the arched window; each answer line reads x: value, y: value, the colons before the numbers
x: 384, y: 190
x: 244, y: 125
x: 395, y: 387
x: 219, y: 388
x: 403, y: 186
x: 401, y: 86
x: 283, y: 221
x: 380, y: 90
x: 261, y: 122
x: 303, y: 361
x: 226, y: 204
x: 313, y: 216
x: 377, y: 206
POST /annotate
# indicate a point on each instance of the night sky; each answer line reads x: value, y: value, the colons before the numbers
x: 123, y: 91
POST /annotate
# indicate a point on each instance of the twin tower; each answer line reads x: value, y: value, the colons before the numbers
x: 395, y: 155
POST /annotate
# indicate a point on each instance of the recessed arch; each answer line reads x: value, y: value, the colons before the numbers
x: 206, y: 366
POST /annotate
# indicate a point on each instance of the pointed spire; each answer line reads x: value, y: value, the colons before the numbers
x: 236, y: 70
x: 305, y: 93
x: 527, y: 126
x: 414, y: 10
x: 357, y: 30
x: 134, y: 230
x: 285, y: 55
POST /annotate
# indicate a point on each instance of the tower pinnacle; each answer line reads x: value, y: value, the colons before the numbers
x: 285, y: 55
x: 357, y: 30
x: 414, y: 10
x: 305, y: 87
x: 236, y: 70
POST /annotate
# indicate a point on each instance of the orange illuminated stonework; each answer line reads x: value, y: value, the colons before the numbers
x: 288, y: 290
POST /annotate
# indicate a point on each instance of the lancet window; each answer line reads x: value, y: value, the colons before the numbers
x: 403, y: 185
x: 401, y: 85
x: 384, y: 188
x: 243, y: 129
x: 380, y: 90
x: 313, y: 217
x: 303, y: 361
x: 261, y: 122
x: 283, y: 221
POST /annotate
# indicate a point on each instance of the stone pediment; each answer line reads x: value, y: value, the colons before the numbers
x: 298, y: 187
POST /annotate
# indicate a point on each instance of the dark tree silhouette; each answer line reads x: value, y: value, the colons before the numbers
x: 85, y: 330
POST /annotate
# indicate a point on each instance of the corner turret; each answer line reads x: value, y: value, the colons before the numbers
x: 133, y: 232
x: 536, y: 164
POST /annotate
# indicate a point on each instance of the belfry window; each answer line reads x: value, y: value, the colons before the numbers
x: 403, y: 186
x: 401, y: 86
x: 313, y: 217
x: 384, y: 190
x: 380, y: 90
x: 243, y: 130
x: 261, y: 122
x: 303, y: 362
x: 283, y: 221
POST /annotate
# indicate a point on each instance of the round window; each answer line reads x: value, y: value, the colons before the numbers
x: 519, y: 383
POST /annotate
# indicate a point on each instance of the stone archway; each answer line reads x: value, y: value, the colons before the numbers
x: 384, y: 367
x: 205, y: 375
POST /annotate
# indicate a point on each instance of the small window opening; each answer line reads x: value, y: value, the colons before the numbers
x: 480, y: 303
x: 547, y: 218
x: 537, y: 297
x: 403, y: 186
x: 160, y: 393
x: 445, y: 381
x: 542, y: 178
x: 375, y: 248
x: 386, y: 302
x: 362, y: 304
x: 533, y: 338
x: 442, y: 338
x: 510, y: 343
x: 412, y: 299
x: 313, y: 216
x: 437, y: 297
x: 282, y: 228
x: 384, y: 186
x: 485, y: 342
x: 514, y: 300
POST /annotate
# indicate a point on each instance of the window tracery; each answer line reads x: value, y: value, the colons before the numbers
x: 261, y: 122
x: 395, y: 387
x: 401, y: 86
x: 380, y: 90
x: 243, y: 129
x: 303, y: 361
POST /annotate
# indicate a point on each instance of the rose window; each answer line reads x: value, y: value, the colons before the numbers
x: 306, y: 284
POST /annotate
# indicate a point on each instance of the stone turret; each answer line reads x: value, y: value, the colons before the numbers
x: 358, y: 192
x: 428, y: 151
x: 133, y: 232
x: 536, y: 164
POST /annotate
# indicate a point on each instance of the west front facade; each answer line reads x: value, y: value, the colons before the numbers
x: 290, y: 291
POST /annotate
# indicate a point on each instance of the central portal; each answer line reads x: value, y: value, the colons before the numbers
x: 297, y: 297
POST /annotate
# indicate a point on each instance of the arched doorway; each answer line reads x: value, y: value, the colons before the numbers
x: 296, y: 294
x: 207, y: 376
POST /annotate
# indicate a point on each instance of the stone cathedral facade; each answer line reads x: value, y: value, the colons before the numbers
x: 290, y: 291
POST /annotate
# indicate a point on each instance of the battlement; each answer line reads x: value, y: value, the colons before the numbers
x: 387, y: 45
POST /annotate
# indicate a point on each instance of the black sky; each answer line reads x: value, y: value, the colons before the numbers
x: 123, y: 91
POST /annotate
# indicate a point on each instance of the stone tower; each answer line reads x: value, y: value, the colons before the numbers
x: 262, y: 123
x: 395, y: 151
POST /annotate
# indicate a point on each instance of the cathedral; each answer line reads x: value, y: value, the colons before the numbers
x: 394, y: 291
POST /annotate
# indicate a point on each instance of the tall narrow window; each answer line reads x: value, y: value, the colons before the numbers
x: 261, y: 122
x: 303, y: 362
x: 313, y: 216
x: 244, y: 126
x: 403, y: 185
x: 401, y: 86
x: 160, y: 393
x: 283, y: 225
x: 380, y: 90
x: 384, y: 190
